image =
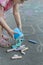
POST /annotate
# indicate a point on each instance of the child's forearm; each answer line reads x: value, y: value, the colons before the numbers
x: 17, y: 16
x: 5, y: 26
x: 3, y: 23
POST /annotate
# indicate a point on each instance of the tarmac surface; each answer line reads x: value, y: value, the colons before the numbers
x: 32, y: 21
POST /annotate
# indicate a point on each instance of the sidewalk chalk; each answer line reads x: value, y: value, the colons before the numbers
x: 33, y: 41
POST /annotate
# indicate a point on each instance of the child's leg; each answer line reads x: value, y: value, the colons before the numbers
x: 3, y: 42
x: 1, y: 29
x: 1, y: 13
x: 17, y: 16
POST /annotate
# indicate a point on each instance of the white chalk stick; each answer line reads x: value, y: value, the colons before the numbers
x: 10, y: 50
x: 16, y: 57
x: 26, y: 48
x: 20, y: 48
x: 23, y: 52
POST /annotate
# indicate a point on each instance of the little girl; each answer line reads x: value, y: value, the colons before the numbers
x: 5, y: 5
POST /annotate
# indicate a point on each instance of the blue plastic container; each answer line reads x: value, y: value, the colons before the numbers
x: 19, y: 33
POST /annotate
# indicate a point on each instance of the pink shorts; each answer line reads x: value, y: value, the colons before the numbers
x: 8, y: 5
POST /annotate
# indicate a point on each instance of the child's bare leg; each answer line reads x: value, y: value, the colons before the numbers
x: 17, y: 16
x: 1, y: 28
x: 3, y: 42
x: 0, y: 31
x: 1, y: 14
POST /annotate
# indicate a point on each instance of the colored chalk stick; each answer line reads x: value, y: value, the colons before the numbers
x: 33, y: 41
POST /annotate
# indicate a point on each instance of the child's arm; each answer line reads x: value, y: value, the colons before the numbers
x: 16, y: 12
x: 17, y: 16
x: 5, y: 25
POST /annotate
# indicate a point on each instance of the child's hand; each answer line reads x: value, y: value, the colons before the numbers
x: 15, y: 33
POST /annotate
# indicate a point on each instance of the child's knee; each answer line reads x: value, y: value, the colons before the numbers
x: 1, y: 11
